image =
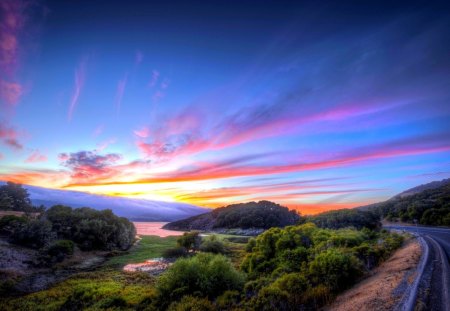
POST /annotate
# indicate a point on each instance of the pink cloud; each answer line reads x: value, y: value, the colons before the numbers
x: 10, y: 92
x: 36, y: 157
x: 154, y: 79
x: 142, y: 133
x: 10, y: 136
x: 103, y: 145
x: 121, y: 85
x: 157, y: 96
x: 165, y: 84
x: 12, y: 22
x: 98, y: 130
x: 80, y: 73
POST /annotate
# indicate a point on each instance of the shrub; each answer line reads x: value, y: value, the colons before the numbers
x: 175, y: 252
x: 189, y: 303
x: 58, y: 251
x: 212, y: 245
x: 189, y: 240
x: 91, y: 229
x: 334, y: 269
x: 35, y: 234
x: 10, y: 223
x: 204, y: 275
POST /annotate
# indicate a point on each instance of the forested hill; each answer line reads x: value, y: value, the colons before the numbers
x: 428, y: 204
x: 262, y: 215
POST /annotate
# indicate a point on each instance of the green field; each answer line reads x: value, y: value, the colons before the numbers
x: 148, y: 247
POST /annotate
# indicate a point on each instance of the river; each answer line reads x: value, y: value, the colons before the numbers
x: 154, y: 228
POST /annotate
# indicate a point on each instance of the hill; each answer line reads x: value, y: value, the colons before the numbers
x: 259, y: 215
x: 133, y: 209
x: 344, y: 218
x: 427, y: 204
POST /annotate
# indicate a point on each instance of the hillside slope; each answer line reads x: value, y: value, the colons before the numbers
x: 427, y: 204
x: 133, y: 209
x: 261, y: 215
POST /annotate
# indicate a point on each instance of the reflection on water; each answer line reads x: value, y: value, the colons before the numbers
x: 154, y: 228
x: 153, y: 266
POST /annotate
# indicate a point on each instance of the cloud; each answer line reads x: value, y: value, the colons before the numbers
x: 89, y: 165
x: 36, y: 157
x: 10, y: 92
x: 230, y: 169
x: 11, y: 23
x: 144, y: 132
x: 13, y: 15
x: 1, y: 156
x: 10, y: 137
x: 98, y: 130
x: 103, y: 145
x: 121, y: 85
x: 154, y: 78
x: 79, y: 80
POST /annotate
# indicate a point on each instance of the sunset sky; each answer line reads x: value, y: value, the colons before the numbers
x: 315, y: 105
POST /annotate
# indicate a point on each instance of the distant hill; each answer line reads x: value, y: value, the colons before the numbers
x: 346, y: 218
x: 260, y: 215
x: 133, y: 209
x: 429, y: 186
x: 428, y: 204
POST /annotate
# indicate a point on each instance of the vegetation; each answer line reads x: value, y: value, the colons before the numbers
x: 91, y: 229
x: 306, y: 266
x: 204, y: 275
x: 213, y: 245
x: 13, y: 197
x: 189, y: 240
x: 262, y: 214
x: 147, y: 247
x: 101, y: 290
x: 346, y: 218
x: 425, y: 205
x: 298, y: 267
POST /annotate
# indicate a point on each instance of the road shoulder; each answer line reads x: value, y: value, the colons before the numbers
x: 385, y: 287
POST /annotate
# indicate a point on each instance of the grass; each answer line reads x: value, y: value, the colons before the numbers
x: 148, y: 247
x: 108, y: 288
x: 88, y: 291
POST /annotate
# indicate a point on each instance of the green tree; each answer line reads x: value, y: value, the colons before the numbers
x: 190, y: 240
x: 204, y: 275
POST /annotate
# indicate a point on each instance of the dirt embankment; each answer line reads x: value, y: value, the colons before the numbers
x: 383, y: 289
x: 20, y: 273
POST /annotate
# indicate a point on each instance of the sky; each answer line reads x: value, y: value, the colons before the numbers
x: 316, y: 105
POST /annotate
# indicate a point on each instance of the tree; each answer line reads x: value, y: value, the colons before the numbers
x: 189, y: 240
x: 203, y: 275
x: 15, y: 197
x: 6, y: 202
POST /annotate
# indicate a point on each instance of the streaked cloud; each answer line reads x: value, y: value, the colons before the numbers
x: 79, y: 80
x: 121, y: 85
x: 36, y: 157
x: 10, y: 137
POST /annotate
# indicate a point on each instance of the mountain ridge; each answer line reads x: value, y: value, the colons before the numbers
x: 133, y: 209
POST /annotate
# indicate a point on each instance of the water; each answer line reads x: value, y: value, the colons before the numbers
x: 154, y: 228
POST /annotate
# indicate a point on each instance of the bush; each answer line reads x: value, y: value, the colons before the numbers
x: 91, y: 229
x: 189, y: 303
x: 59, y: 250
x: 204, y: 275
x: 35, y: 234
x: 175, y: 252
x: 335, y: 269
x: 212, y: 245
x: 10, y: 223
x: 189, y: 240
